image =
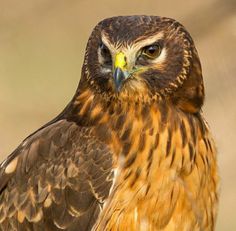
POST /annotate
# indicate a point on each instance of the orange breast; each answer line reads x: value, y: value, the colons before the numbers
x: 166, y: 173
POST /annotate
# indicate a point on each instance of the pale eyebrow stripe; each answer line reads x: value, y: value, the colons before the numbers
x: 132, y: 50
x: 137, y: 45
x: 147, y: 41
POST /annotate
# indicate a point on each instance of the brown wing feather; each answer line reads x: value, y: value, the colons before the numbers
x: 57, y: 179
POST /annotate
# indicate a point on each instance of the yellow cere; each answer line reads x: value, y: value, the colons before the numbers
x: 120, y: 60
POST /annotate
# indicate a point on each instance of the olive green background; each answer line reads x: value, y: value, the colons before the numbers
x: 42, y: 45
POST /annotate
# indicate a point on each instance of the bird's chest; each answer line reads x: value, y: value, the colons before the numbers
x: 162, y: 180
x: 152, y: 150
x: 143, y: 184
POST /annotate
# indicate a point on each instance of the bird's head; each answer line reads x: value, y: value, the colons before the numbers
x: 144, y: 58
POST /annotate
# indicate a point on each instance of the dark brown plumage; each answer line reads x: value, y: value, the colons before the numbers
x: 132, y: 137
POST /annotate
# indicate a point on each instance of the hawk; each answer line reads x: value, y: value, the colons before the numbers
x: 131, y: 151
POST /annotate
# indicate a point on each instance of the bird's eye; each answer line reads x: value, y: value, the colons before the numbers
x: 104, y: 50
x: 106, y: 55
x: 152, y: 51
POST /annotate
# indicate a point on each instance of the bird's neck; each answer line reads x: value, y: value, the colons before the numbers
x: 133, y: 127
x: 151, y: 144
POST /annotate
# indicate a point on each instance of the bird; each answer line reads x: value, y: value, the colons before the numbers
x: 131, y: 150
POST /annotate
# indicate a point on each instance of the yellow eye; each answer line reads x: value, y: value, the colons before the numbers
x: 152, y: 51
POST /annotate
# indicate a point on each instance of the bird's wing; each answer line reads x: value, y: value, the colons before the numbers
x: 57, y: 179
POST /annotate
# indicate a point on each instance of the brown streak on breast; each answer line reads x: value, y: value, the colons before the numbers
x: 183, y: 133
x: 150, y: 160
x: 136, y: 176
x: 126, y: 131
x: 192, y: 124
x: 130, y: 160
x: 169, y: 140
x: 120, y: 122
x: 142, y: 142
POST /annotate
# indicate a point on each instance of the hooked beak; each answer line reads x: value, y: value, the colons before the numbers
x: 120, y: 74
x: 119, y: 78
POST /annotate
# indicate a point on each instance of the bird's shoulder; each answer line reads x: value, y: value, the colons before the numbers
x: 63, y: 167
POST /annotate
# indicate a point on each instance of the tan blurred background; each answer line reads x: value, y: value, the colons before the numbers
x: 42, y: 44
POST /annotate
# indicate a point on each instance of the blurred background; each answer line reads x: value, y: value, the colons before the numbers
x: 42, y: 45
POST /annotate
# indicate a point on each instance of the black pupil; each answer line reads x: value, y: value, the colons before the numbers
x: 152, y: 50
x: 104, y: 50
